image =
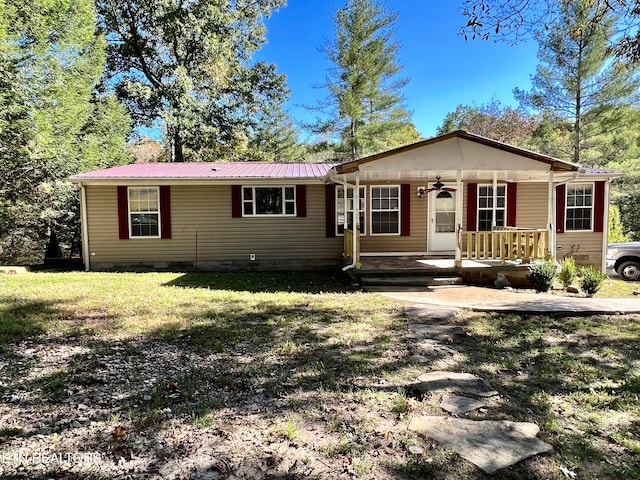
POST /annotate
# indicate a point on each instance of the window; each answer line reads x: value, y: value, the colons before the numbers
x: 257, y: 201
x: 579, y: 211
x: 486, y: 208
x: 445, y: 213
x: 345, y: 209
x: 385, y: 210
x: 144, y: 212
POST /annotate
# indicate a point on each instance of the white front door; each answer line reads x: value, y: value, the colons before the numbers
x: 442, y: 221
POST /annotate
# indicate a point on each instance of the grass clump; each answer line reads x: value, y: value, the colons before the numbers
x: 542, y: 275
x: 591, y: 280
x: 568, y: 271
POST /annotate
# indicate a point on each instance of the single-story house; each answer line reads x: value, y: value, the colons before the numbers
x: 459, y: 196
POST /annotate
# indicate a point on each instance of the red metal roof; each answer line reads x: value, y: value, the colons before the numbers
x: 206, y: 170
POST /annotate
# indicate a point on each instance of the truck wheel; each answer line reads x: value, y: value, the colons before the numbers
x: 629, y: 271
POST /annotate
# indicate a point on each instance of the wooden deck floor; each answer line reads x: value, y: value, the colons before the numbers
x: 475, y: 272
x: 429, y: 263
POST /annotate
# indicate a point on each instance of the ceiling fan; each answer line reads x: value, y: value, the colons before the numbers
x: 437, y: 187
x: 440, y: 186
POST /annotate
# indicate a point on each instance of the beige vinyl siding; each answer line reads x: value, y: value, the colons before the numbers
x: 205, y: 211
x: 415, y: 242
x: 585, y: 247
x: 532, y: 210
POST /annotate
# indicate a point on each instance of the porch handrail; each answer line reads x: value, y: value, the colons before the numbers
x: 505, y: 243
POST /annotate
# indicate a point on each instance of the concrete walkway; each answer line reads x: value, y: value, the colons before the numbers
x: 508, y: 301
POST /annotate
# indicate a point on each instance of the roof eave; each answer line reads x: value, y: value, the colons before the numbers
x: 220, y: 180
x: 555, y: 163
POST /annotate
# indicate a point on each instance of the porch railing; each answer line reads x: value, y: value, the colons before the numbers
x: 505, y: 243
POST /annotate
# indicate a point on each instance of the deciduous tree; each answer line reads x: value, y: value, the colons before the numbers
x: 493, y: 120
x: 186, y: 67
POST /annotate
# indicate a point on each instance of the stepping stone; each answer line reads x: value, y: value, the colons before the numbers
x: 456, y: 404
x: 490, y: 445
x: 418, y: 359
x: 433, y: 313
x: 429, y: 347
x: 435, y: 330
x: 433, y: 382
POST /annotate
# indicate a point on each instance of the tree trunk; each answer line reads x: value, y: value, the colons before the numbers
x: 178, y: 156
x: 578, y: 107
x: 53, y: 247
x: 354, y: 145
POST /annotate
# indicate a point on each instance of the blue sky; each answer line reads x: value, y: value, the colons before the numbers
x: 445, y: 70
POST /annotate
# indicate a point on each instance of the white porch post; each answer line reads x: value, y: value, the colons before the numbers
x: 458, y: 259
x: 494, y: 187
x: 356, y: 221
x: 551, y: 217
x: 605, y: 225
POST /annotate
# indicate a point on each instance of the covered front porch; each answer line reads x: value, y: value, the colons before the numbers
x: 465, y: 200
x: 474, y: 249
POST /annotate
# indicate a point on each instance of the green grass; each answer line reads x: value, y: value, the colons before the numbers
x: 577, y: 378
x: 614, y: 288
x: 246, y: 360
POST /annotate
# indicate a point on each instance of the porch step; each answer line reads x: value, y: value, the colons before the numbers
x: 409, y: 281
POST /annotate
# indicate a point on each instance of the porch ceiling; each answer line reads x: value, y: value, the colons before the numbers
x: 450, y: 176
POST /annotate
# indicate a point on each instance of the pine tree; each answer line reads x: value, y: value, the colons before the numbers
x: 51, y: 60
x: 579, y: 84
x: 366, y: 107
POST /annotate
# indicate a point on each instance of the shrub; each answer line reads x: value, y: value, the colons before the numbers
x: 591, y: 280
x: 616, y: 228
x: 568, y: 271
x: 542, y: 275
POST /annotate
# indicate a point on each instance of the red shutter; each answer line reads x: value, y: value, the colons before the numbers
x: 405, y: 214
x: 560, y: 200
x: 598, y: 208
x: 301, y: 200
x: 236, y: 201
x: 165, y: 212
x: 123, y: 213
x: 472, y: 206
x: 330, y: 210
x: 512, y: 201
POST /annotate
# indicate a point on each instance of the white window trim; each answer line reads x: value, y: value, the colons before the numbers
x: 494, y: 208
x: 129, y: 212
x: 363, y: 211
x: 253, y: 201
x: 371, y: 211
x: 592, y: 207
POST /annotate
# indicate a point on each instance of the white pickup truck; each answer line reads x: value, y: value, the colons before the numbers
x: 624, y: 258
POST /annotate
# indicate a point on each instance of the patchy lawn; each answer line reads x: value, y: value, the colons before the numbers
x: 285, y: 376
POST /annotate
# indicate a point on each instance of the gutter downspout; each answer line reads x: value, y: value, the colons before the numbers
x: 84, y: 227
x: 356, y: 214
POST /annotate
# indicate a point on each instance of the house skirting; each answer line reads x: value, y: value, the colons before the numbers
x: 221, y: 266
